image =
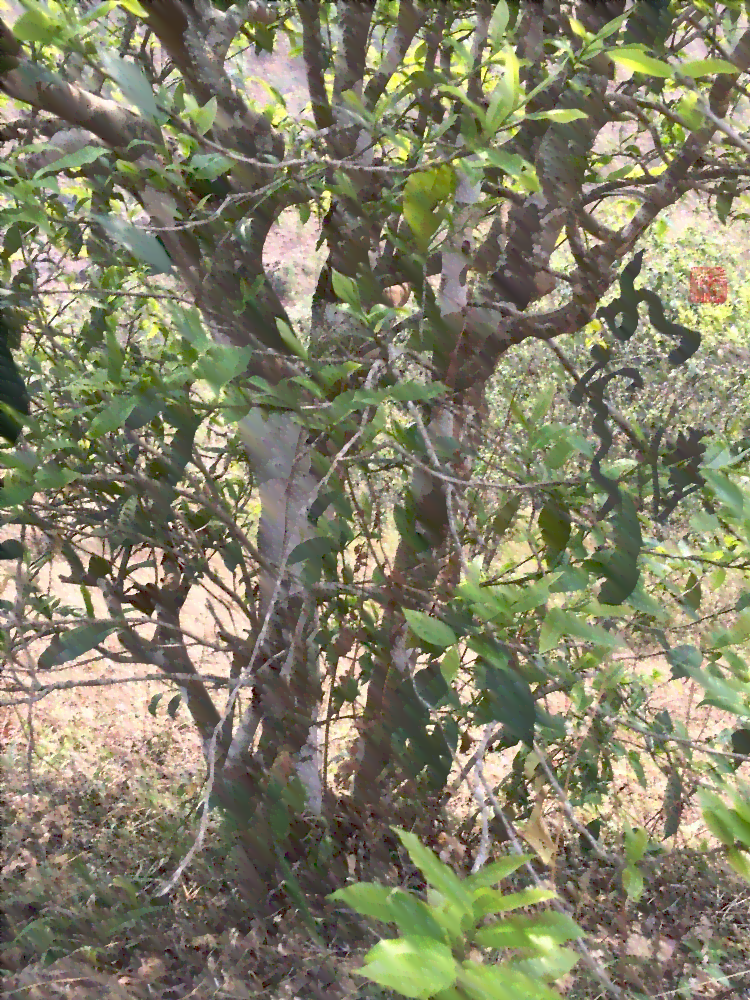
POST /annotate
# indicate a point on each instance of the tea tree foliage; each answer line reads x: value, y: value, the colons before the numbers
x: 422, y: 515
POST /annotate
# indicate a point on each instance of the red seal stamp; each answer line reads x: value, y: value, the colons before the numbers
x: 708, y: 284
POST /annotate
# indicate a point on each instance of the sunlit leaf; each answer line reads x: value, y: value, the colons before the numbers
x: 640, y: 62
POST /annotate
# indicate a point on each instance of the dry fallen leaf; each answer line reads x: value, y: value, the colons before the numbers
x: 536, y: 833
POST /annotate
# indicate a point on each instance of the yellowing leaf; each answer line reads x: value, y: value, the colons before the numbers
x: 578, y: 28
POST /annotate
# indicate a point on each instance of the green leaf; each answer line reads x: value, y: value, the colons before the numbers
x: 541, y: 406
x: 498, y: 24
x: 414, y: 966
x: 450, y: 664
x: 312, y: 550
x: 704, y: 67
x: 632, y: 882
x: 429, y: 629
x: 190, y: 325
x: 613, y: 26
x: 73, y: 161
x: 715, y: 816
x: 205, y: 117
x: 36, y: 26
x: 639, y: 62
x: 636, y: 842
x: 221, y: 363
x: 504, y: 517
x: 53, y: 477
x: 102, y: 9
x: 112, y: 417
x: 506, y: 696
x: 487, y: 901
x: 726, y: 491
x: 497, y: 871
x: 368, y: 898
x: 134, y: 7
x: 11, y: 549
x: 499, y: 982
x: 503, y: 100
x: 73, y: 644
x: 739, y: 862
x: 525, y: 175
x: 730, y: 696
x: 741, y: 741
x: 578, y: 28
x: 391, y: 906
x: 550, y: 966
x: 141, y: 244
x: 683, y: 660
x: 423, y: 192
x: 290, y: 339
x: 555, y: 526
x: 346, y: 289
x: 688, y: 110
x: 437, y: 874
x: 692, y: 595
x: 559, y: 623
x: 133, y: 83
x: 560, y: 115
x: 14, y: 397
x: 539, y: 931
